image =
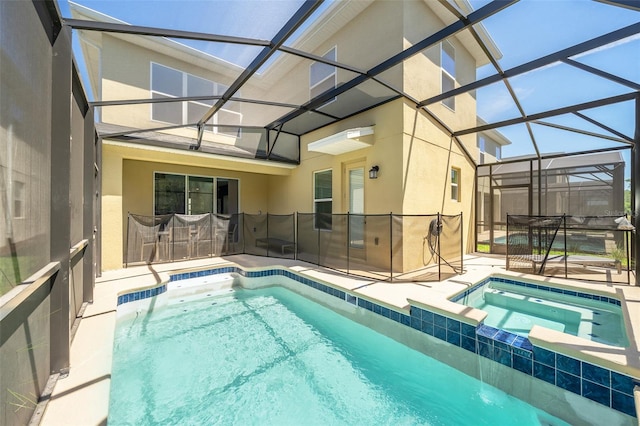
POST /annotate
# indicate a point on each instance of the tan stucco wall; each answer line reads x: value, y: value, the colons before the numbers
x: 295, y: 193
x: 111, y: 224
x: 415, y: 157
x: 138, y: 198
x: 126, y: 74
x: 413, y: 153
x: 428, y: 156
x: 127, y: 186
x: 126, y: 67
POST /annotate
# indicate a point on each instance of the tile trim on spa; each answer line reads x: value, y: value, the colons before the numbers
x: 568, y: 292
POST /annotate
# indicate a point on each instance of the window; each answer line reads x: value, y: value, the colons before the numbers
x: 183, y: 194
x: 481, y: 149
x: 18, y: 199
x: 170, y: 83
x: 322, y: 199
x: 455, y: 184
x: 169, y: 194
x: 200, y: 198
x: 322, y: 77
x: 448, y: 65
x: 226, y: 196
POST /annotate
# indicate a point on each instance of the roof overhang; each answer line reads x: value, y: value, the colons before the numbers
x: 343, y: 142
x: 495, y: 135
x: 155, y: 154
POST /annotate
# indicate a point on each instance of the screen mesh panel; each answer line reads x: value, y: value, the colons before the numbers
x: 380, y: 247
x: 529, y: 241
x: 308, y: 242
x: 25, y: 132
x: 595, y: 248
x: 270, y: 235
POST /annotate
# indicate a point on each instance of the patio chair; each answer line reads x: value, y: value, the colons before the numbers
x: 180, y: 241
x: 231, y: 238
x: 149, y: 238
x: 202, y: 240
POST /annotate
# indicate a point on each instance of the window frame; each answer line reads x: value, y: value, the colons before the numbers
x: 18, y: 189
x: 189, y: 192
x: 187, y: 204
x: 446, y: 74
x: 333, y: 74
x: 481, y: 149
x: 321, y: 200
x: 155, y: 180
x: 455, y: 183
x: 218, y: 89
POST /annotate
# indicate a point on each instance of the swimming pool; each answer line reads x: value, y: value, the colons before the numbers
x: 270, y: 356
x: 516, y: 307
x: 584, y: 244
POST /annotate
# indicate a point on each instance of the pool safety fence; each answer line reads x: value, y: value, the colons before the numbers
x: 594, y: 248
x: 386, y: 247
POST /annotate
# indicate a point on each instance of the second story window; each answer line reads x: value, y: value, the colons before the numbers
x: 322, y: 77
x: 170, y: 83
x: 481, y: 149
x: 166, y: 83
x: 448, y: 66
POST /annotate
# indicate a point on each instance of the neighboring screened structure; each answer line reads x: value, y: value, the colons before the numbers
x: 585, y: 185
x: 593, y: 248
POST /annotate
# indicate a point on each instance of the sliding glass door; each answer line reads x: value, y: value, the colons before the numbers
x: 184, y: 194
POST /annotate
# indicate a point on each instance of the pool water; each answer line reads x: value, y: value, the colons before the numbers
x: 574, y: 242
x: 517, y: 309
x: 272, y: 357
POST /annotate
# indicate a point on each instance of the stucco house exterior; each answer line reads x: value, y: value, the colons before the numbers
x: 421, y: 170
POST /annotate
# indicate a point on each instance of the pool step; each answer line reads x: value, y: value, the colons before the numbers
x: 195, y: 288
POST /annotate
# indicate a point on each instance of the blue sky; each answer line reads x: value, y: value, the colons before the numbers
x: 548, y: 26
x: 553, y: 25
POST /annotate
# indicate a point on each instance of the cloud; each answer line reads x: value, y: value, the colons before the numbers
x: 495, y: 103
x: 606, y: 47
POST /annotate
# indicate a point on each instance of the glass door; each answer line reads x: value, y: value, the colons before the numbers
x: 227, y: 204
x: 200, y: 198
x: 356, y: 207
x: 226, y: 196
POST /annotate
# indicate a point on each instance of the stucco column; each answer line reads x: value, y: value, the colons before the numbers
x: 111, y: 226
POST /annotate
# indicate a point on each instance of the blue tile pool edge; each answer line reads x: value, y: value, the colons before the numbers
x: 548, y: 288
x: 607, y: 387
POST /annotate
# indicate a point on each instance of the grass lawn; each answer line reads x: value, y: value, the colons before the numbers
x: 8, y: 265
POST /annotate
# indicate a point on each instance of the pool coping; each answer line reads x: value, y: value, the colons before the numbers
x: 89, y: 378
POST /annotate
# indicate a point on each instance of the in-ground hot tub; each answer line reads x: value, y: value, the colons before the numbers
x: 516, y: 306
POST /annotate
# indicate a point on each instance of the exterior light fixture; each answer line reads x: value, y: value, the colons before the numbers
x: 373, y: 172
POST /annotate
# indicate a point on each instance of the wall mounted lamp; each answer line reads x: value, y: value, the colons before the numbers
x: 373, y: 172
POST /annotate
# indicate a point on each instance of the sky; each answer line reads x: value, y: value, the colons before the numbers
x: 551, y: 26
x: 547, y: 26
